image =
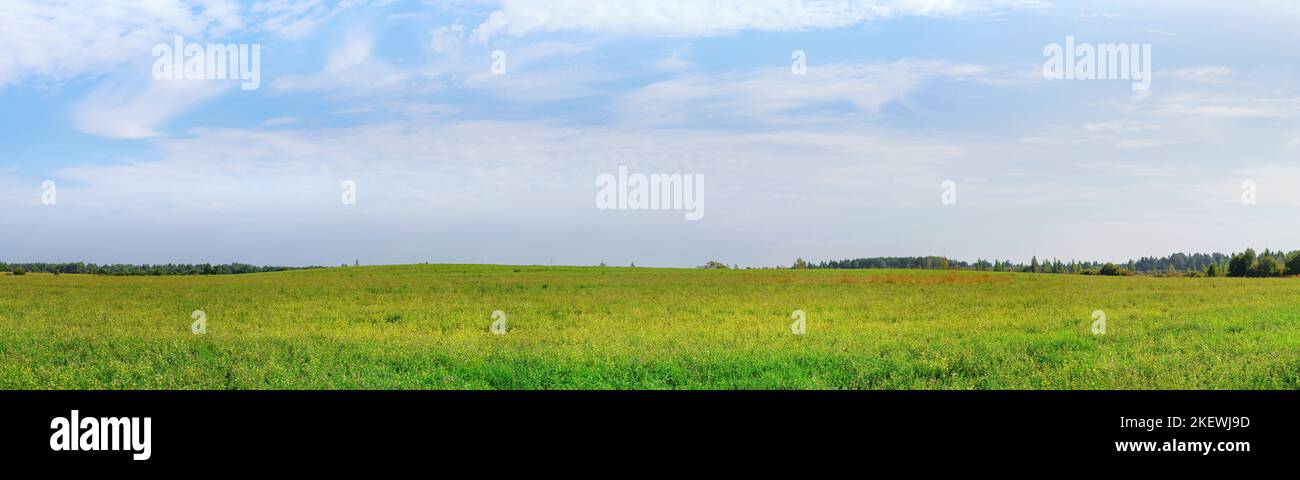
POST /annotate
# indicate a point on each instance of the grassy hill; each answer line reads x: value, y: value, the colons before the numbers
x: 428, y: 326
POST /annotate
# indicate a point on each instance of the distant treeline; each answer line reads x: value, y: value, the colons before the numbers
x: 1244, y: 264
x: 925, y: 263
x: 125, y: 269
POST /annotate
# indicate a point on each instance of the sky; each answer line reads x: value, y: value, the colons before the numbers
x: 477, y: 131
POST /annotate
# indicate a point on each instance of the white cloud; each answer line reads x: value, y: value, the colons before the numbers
x: 1223, y: 106
x: 1211, y: 74
x: 448, y: 38
x: 1118, y: 126
x: 349, y: 68
x: 769, y: 95
x: 280, y: 121
x: 688, y: 18
x: 281, y: 187
x: 272, y: 196
x: 673, y: 61
x: 59, y: 40
x: 121, y: 112
x: 298, y: 19
x: 539, y: 72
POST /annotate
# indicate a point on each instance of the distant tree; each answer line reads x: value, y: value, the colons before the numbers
x: 1268, y: 266
x: 1242, y: 263
x: 800, y: 263
x: 715, y: 265
x: 1212, y: 270
x: 1293, y: 263
x: 1033, y: 265
x: 20, y: 271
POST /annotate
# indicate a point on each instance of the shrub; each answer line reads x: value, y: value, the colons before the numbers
x: 20, y: 271
x: 1112, y: 270
x: 1212, y: 270
x: 1293, y: 263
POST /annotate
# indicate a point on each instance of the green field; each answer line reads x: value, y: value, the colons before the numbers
x: 428, y: 326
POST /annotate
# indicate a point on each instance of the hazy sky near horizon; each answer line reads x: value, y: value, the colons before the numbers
x: 455, y: 163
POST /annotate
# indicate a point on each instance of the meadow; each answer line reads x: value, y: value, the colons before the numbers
x: 429, y: 327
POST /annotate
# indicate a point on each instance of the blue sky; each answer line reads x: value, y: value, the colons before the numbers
x: 455, y: 164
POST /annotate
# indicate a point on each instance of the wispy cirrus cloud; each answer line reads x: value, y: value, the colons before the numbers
x: 1211, y: 74
x: 687, y: 18
x: 767, y: 95
x: 298, y: 19
x: 116, y: 111
x: 1218, y: 106
x: 350, y: 67
x: 59, y: 40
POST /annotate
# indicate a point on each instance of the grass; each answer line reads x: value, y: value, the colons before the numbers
x: 428, y: 326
